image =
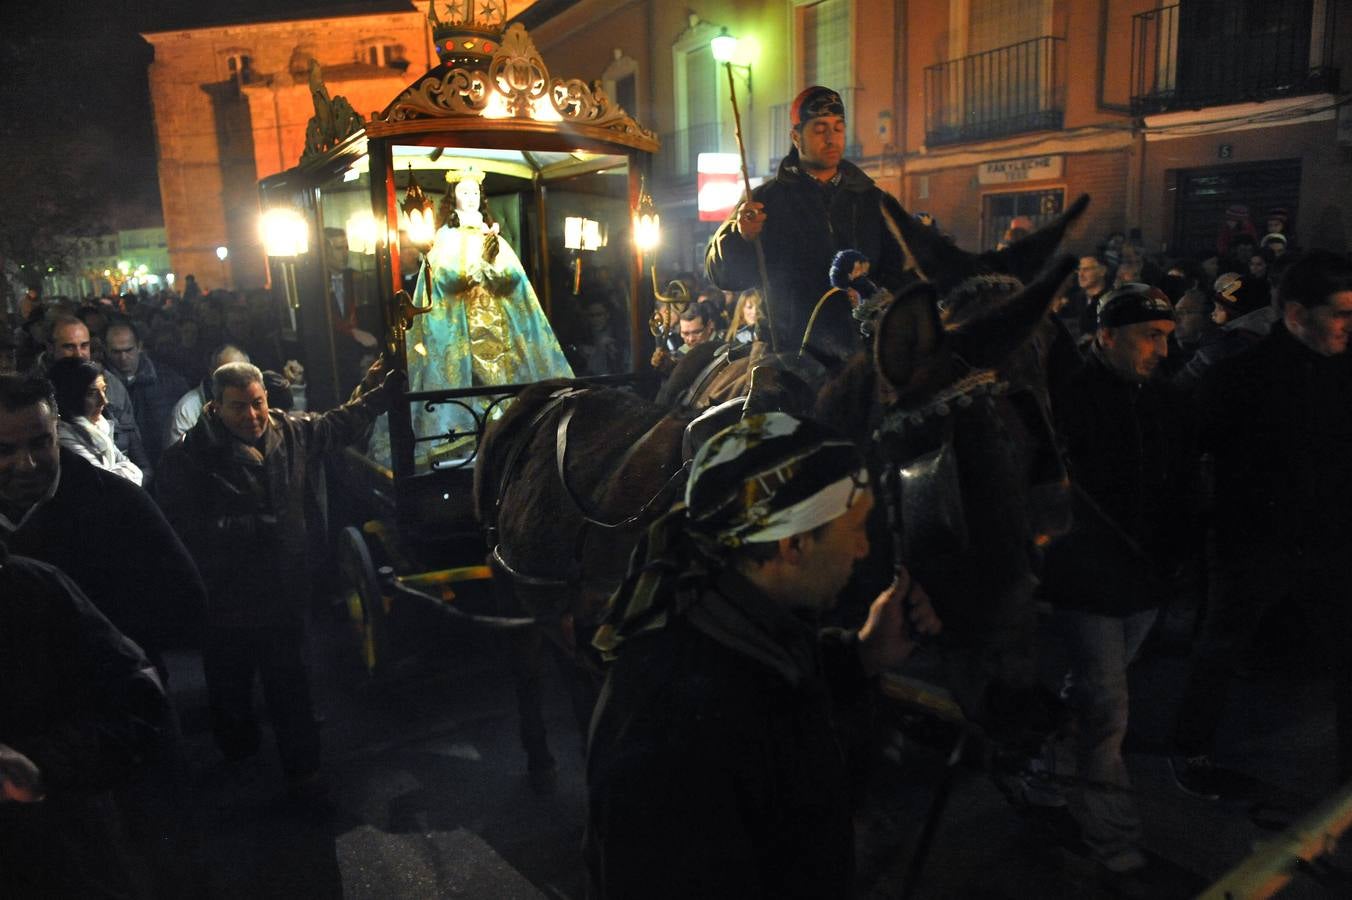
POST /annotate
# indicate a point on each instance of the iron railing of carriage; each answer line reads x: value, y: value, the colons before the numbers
x: 489, y: 406
x: 1009, y: 90
x: 1213, y: 53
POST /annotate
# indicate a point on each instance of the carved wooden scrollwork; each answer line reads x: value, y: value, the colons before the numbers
x: 334, y: 120
x: 516, y: 85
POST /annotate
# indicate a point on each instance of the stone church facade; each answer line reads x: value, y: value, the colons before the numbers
x: 231, y: 104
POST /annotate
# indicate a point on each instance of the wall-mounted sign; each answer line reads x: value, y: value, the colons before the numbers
x: 1225, y: 151
x: 1011, y: 171
x: 718, y: 185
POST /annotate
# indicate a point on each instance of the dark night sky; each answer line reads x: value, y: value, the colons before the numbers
x: 74, y: 102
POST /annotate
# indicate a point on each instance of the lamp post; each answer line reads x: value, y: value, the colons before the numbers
x: 221, y: 253
x: 724, y: 50
x: 647, y: 235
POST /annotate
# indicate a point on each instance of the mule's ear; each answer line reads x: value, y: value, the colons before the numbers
x: 1025, y: 257
x: 937, y: 258
x: 985, y: 340
x: 908, y: 336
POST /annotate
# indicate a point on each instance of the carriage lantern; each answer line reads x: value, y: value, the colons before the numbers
x: 419, y: 214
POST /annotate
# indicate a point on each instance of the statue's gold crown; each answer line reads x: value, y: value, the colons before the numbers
x: 467, y: 32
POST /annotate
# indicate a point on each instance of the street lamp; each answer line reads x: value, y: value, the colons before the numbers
x: 724, y: 48
x: 221, y: 253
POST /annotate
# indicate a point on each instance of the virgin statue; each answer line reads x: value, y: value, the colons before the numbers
x: 485, y: 327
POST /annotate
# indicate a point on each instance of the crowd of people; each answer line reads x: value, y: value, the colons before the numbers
x: 148, y: 512
x: 1203, y: 407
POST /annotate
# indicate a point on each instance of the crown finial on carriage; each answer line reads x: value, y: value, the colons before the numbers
x: 467, y: 32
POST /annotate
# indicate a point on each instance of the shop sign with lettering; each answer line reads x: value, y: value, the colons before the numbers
x: 1030, y: 168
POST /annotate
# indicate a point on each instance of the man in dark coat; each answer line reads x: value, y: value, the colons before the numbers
x: 80, y: 711
x: 235, y: 488
x: 817, y: 205
x: 153, y: 388
x: 713, y: 769
x: 100, y: 529
x: 1277, y: 421
x: 1127, y: 445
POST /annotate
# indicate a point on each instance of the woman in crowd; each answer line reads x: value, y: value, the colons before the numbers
x: 744, y: 318
x: 82, y: 428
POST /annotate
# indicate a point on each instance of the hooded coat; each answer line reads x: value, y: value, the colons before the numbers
x: 806, y: 225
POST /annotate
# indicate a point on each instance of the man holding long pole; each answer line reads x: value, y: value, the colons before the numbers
x: 816, y: 205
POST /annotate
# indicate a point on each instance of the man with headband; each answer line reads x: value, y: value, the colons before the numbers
x: 817, y: 205
x: 712, y: 767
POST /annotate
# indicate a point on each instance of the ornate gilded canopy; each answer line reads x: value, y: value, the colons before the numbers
x: 512, y: 85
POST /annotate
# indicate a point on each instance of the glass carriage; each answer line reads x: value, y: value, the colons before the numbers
x: 485, y: 230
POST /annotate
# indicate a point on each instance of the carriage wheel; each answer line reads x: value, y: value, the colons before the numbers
x: 365, y: 601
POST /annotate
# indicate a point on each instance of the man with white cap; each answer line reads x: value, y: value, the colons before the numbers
x: 713, y: 769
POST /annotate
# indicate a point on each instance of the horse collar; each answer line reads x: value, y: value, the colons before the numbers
x: 961, y: 393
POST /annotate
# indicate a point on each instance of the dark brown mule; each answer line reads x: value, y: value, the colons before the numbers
x: 966, y: 460
x: 567, y: 479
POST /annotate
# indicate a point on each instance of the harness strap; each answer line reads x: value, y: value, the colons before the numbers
x: 531, y: 580
x: 561, y: 463
x: 565, y: 398
x: 706, y: 375
x: 556, y: 400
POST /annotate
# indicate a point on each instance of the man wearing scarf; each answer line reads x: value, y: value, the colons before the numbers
x: 713, y: 770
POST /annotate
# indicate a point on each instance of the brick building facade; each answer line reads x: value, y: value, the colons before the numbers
x: 976, y: 111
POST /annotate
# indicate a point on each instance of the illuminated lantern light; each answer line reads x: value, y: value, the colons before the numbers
x: 284, y: 232
x: 361, y: 233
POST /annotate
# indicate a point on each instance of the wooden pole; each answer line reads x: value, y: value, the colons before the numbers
x: 746, y: 196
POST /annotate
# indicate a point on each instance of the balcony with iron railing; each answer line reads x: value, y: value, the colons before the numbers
x: 681, y: 149
x: 1009, y: 90
x: 1213, y: 53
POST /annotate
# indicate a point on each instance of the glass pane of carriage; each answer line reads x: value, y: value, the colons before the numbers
x: 527, y: 277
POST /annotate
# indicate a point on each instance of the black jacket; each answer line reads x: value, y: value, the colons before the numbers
x: 1277, y: 420
x: 241, y: 511
x: 710, y: 775
x: 1131, y: 454
x: 82, y: 702
x: 154, y: 390
x: 112, y: 540
x: 806, y: 224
